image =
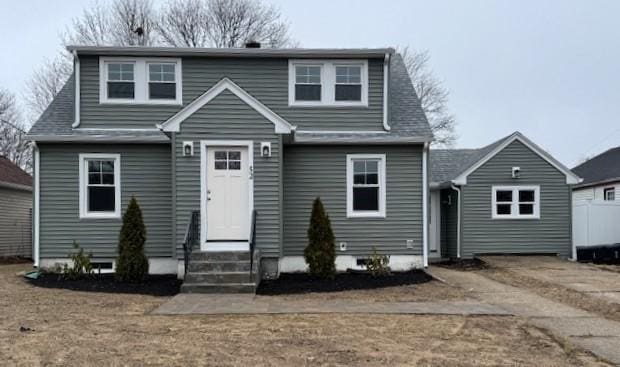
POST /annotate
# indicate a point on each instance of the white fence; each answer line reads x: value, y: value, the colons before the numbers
x: 596, y: 223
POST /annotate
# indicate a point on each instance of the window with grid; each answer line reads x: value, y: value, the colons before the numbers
x: 609, y: 193
x: 162, y: 81
x: 101, y: 185
x: 348, y: 83
x: 516, y: 202
x: 307, y: 83
x: 121, y: 82
x: 366, y: 185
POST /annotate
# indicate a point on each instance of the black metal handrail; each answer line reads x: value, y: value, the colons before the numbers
x: 192, y: 234
x: 252, y: 243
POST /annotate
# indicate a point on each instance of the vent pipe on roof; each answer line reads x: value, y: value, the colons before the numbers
x: 252, y: 44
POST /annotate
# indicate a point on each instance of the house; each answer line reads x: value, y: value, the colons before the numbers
x: 509, y: 197
x: 225, y: 151
x: 601, y: 177
x: 15, y: 210
x: 596, y: 207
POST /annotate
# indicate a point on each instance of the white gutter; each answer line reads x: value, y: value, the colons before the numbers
x: 76, y: 72
x: 386, y: 79
x: 424, y: 206
x: 37, y: 160
x: 458, y: 221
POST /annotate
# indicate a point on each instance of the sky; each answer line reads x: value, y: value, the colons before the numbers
x: 550, y: 69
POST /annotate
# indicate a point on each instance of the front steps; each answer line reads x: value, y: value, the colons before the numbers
x: 221, y: 272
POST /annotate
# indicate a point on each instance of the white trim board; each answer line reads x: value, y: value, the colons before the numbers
x: 571, y: 178
x: 173, y: 124
x: 203, y: 180
x: 514, y: 203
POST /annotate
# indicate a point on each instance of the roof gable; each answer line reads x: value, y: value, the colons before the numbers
x: 173, y: 124
x: 571, y: 178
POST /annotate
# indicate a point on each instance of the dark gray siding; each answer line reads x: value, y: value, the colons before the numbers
x: 311, y: 171
x: 449, y: 220
x: 145, y: 173
x: 228, y: 118
x: 265, y: 79
x: 15, y: 223
x: 549, y: 234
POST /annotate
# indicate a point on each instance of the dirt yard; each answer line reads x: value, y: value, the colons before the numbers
x: 70, y: 328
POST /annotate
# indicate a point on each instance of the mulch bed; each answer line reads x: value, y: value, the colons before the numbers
x: 154, y: 285
x: 10, y: 260
x: 464, y: 265
x: 294, y: 283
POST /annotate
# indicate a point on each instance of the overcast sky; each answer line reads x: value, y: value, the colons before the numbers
x: 550, y: 69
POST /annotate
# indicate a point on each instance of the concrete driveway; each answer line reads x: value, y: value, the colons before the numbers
x: 586, y: 278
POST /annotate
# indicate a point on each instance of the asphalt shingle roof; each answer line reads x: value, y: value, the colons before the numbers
x: 406, y: 117
x: 604, y: 167
x: 11, y: 174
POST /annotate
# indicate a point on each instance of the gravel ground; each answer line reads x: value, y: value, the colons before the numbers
x: 71, y: 328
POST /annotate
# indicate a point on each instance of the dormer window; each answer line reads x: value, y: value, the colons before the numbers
x: 121, y: 83
x: 140, y: 81
x: 328, y: 83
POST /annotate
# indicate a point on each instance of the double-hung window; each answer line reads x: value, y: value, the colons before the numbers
x: 121, y: 82
x: 516, y: 202
x: 366, y: 185
x: 609, y: 193
x: 337, y: 83
x: 100, y: 185
x: 162, y: 81
x: 348, y: 83
x: 307, y: 83
x: 140, y: 80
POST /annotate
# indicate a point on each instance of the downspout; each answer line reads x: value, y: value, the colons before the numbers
x: 76, y: 72
x: 386, y: 92
x: 37, y: 160
x: 425, y: 205
x: 458, y: 221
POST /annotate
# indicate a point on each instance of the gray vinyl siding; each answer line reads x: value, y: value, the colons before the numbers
x: 15, y: 223
x: 145, y: 173
x: 449, y: 221
x: 265, y: 79
x: 311, y: 171
x: 549, y: 234
x: 226, y: 117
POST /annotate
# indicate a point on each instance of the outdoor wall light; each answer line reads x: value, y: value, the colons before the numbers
x: 188, y: 148
x: 516, y: 172
x: 265, y: 149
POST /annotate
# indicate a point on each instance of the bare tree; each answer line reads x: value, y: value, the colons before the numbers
x: 184, y: 24
x: 133, y: 22
x: 233, y: 22
x: 13, y: 143
x: 433, y: 96
x: 46, y: 82
x: 92, y: 28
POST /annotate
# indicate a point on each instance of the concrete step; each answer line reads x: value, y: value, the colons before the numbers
x: 220, y: 256
x: 219, y: 266
x: 218, y: 288
x: 218, y: 278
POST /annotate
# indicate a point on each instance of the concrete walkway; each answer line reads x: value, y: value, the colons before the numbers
x: 584, y: 278
x: 587, y: 330
x: 221, y: 304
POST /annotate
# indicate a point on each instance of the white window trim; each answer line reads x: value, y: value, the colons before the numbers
x: 381, y: 213
x: 328, y: 83
x: 611, y: 189
x: 514, y: 212
x: 84, y: 213
x: 140, y: 76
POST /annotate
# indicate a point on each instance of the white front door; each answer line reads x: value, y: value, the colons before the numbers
x: 227, y: 199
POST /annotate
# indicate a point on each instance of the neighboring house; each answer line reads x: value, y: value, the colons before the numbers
x: 205, y: 137
x: 15, y: 210
x: 601, y: 177
x: 596, y: 202
x: 510, y: 197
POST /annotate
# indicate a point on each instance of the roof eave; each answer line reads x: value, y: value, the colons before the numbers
x: 52, y: 138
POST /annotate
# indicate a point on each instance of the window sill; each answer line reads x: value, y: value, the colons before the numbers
x: 100, y: 216
x: 514, y: 217
x: 136, y: 102
x: 366, y: 215
x: 328, y: 105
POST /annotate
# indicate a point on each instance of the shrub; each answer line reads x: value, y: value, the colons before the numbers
x: 320, y: 254
x: 377, y: 264
x: 81, y: 266
x: 131, y: 263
